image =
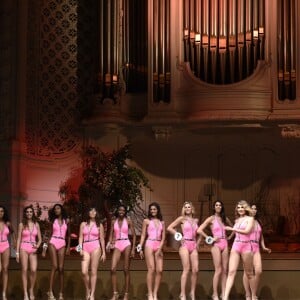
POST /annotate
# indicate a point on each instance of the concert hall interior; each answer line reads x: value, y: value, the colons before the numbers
x: 206, y: 93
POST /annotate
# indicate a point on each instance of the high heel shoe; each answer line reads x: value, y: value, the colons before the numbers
x: 115, y: 296
x: 61, y: 296
x: 215, y: 297
x: 50, y: 296
x: 192, y: 297
x: 126, y: 296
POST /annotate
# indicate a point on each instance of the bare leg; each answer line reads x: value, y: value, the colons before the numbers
x: 158, y: 272
x: 185, y: 261
x: 149, y: 257
x: 257, y: 271
x: 127, y: 252
x: 32, y: 277
x: 225, y: 259
x: 114, y: 262
x: 95, y: 256
x: 233, y: 265
x: 246, y: 286
x: 61, y: 261
x: 53, y: 258
x: 85, y: 262
x: 194, y: 264
x: 248, y: 268
x: 24, y: 267
x: 4, y: 269
x: 217, y: 261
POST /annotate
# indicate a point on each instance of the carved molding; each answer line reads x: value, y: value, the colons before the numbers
x: 194, y: 97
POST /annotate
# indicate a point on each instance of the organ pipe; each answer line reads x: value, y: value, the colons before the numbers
x: 231, y: 33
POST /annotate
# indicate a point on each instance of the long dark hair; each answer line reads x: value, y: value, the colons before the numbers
x: 25, y: 220
x: 222, y: 212
x: 257, y: 215
x: 53, y: 216
x: 97, y: 218
x: 5, y: 214
x: 159, y: 215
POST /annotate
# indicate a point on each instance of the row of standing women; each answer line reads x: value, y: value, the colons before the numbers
x: 247, y: 231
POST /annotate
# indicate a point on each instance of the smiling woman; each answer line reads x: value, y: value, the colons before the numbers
x: 241, y: 247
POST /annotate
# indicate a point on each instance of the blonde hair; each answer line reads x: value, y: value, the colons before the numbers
x: 183, y: 209
x: 246, y: 206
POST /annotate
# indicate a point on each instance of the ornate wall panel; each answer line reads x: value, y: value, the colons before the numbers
x: 52, y: 60
x: 7, y: 69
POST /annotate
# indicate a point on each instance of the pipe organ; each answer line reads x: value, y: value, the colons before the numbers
x: 287, y: 49
x: 221, y: 41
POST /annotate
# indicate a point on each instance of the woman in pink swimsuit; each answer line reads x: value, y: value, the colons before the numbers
x: 57, y: 246
x: 6, y: 230
x: 154, y: 230
x: 120, y: 243
x: 241, y: 247
x: 219, y: 249
x: 257, y: 240
x: 188, y: 250
x: 28, y: 241
x: 92, y: 248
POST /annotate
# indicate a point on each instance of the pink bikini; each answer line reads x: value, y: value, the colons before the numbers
x: 241, y: 242
x: 154, y: 233
x: 58, y: 238
x: 218, y: 231
x: 90, y: 238
x: 4, y: 238
x: 189, y: 229
x: 28, y: 239
x: 255, y: 237
x: 121, y: 235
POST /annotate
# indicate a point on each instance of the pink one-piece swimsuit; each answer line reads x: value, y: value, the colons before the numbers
x: 218, y: 231
x: 121, y: 235
x: 58, y: 238
x: 90, y: 238
x: 154, y: 234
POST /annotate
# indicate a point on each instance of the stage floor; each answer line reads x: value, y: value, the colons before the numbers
x: 279, y: 281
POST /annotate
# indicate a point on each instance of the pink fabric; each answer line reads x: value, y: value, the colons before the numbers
x: 58, y: 238
x: 90, y: 238
x: 154, y: 234
x: 218, y: 231
x: 255, y: 237
x: 189, y: 229
x: 28, y: 239
x: 121, y: 235
x: 4, y: 238
x: 241, y: 242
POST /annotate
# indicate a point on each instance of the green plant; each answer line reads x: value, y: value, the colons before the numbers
x: 108, y: 179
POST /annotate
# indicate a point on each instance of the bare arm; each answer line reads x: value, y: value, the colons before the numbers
x: 163, y: 235
x: 206, y: 223
x: 248, y: 228
x: 20, y: 228
x: 68, y: 237
x: 171, y: 228
x: 80, y: 237
x: 39, y: 236
x: 143, y: 234
x: 263, y: 246
x: 131, y: 226
x: 12, y: 234
x: 102, y: 242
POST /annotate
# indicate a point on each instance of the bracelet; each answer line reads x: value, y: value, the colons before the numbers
x: 78, y: 248
x: 45, y: 246
x: 139, y: 248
